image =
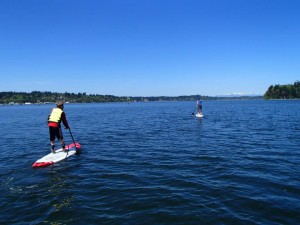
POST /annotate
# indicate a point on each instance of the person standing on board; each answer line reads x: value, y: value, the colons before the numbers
x: 199, y: 106
x: 54, y: 119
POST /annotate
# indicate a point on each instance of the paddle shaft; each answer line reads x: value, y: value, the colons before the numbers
x: 72, y: 138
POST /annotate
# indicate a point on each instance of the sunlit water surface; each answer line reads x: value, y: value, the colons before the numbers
x: 154, y: 163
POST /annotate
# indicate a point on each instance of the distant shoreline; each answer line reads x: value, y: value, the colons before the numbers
x: 227, y: 99
x: 38, y: 97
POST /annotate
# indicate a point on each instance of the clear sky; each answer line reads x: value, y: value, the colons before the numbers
x: 149, y: 47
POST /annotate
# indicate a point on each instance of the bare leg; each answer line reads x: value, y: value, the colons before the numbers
x: 52, y: 146
x: 63, y: 144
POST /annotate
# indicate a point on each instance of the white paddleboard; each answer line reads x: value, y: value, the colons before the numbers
x: 59, y: 155
x: 199, y: 115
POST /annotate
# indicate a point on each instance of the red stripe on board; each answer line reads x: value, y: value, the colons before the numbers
x: 78, y: 146
x: 40, y: 164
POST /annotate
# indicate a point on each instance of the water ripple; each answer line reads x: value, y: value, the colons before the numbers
x: 154, y: 163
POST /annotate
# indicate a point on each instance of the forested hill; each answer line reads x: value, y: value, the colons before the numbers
x: 288, y: 91
x: 47, y: 97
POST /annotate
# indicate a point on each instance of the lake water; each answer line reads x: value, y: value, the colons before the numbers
x: 154, y: 163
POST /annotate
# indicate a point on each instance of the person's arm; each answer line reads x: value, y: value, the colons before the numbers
x: 64, y: 120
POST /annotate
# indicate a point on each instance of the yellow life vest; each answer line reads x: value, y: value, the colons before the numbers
x: 55, y: 115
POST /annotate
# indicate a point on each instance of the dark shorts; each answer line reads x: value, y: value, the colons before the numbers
x: 55, y: 132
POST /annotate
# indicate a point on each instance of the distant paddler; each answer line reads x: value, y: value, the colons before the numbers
x: 199, y: 105
x: 198, y: 108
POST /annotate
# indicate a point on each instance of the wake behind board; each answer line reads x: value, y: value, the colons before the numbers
x: 59, y: 155
x: 199, y: 115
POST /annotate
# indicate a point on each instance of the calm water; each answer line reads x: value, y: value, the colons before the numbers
x: 154, y: 163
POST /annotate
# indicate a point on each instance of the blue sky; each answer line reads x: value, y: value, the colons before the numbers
x: 149, y: 47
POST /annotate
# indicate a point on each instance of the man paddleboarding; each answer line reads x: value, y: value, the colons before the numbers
x: 54, y: 119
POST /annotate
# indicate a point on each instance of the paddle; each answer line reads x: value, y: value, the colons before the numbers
x: 73, y: 139
x: 193, y: 113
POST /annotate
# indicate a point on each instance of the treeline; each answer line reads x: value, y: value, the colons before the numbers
x: 47, y: 97
x: 288, y: 91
